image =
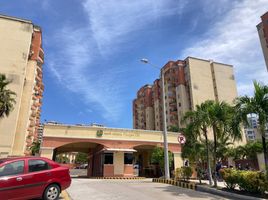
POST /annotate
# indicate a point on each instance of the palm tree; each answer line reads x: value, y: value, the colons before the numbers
x: 225, y: 124
x: 35, y: 148
x: 7, y: 99
x: 200, y: 122
x: 258, y: 104
x: 193, y: 149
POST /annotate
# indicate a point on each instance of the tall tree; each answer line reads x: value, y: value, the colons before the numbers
x: 158, y: 158
x: 7, y: 97
x: 200, y: 122
x: 257, y: 104
x: 225, y: 124
x: 35, y: 148
x: 194, y: 149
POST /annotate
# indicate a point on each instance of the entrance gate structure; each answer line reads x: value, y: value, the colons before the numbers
x: 111, y: 151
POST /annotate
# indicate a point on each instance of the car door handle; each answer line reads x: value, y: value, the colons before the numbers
x: 19, y: 179
x: 48, y: 174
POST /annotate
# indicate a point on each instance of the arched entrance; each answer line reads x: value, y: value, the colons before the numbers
x: 144, y: 165
x: 111, y: 151
x: 94, y: 155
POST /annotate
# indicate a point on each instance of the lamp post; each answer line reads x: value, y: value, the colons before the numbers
x: 167, y: 174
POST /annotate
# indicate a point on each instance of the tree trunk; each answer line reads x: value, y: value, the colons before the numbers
x: 197, y: 165
x: 214, y: 156
x: 262, y: 130
x: 208, y: 161
x: 265, y: 154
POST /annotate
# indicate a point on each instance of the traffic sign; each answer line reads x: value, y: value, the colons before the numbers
x: 181, y: 139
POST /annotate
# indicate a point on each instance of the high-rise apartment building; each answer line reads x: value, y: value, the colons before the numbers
x: 143, y: 109
x: 188, y: 83
x: 252, y: 132
x: 263, y: 34
x: 21, y: 60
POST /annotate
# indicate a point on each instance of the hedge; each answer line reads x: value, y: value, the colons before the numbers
x: 248, y: 181
x: 184, y: 173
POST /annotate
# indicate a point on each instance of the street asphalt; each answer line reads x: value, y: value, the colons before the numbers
x: 105, y: 189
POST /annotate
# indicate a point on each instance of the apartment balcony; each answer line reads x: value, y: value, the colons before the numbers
x: 172, y: 98
x: 41, y: 53
x: 40, y: 73
x: 33, y: 107
x: 30, y: 133
x: 32, y: 124
x: 28, y: 140
x: 37, y: 104
x: 173, y: 111
x: 34, y: 97
x: 38, y: 79
x: 173, y: 103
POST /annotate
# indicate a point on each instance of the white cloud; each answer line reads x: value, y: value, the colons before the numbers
x: 111, y: 21
x: 234, y: 40
x: 108, y: 27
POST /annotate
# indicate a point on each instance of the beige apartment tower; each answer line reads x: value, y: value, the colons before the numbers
x: 263, y: 35
x: 21, y: 60
x: 188, y: 83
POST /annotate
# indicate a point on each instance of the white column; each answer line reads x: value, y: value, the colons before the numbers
x: 119, y: 163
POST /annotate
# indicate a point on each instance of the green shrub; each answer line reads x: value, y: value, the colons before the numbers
x: 178, y: 174
x: 187, y: 172
x: 230, y: 176
x: 183, y: 173
x: 249, y: 181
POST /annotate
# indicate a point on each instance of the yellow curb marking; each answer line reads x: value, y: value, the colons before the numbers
x: 65, y: 195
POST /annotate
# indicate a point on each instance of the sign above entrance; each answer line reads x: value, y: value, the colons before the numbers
x: 99, y: 133
x: 181, y: 139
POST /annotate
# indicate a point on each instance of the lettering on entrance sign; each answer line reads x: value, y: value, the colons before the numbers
x: 181, y: 139
x: 121, y: 134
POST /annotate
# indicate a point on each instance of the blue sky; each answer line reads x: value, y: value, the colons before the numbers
x: 92, y: 49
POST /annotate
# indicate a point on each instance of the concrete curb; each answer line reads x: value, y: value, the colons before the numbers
x: 202, y: 188
x: 65, y: 195
x: 187, y: 185
x: 122, y: 178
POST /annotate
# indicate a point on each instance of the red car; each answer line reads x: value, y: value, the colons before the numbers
x: 23, y: 178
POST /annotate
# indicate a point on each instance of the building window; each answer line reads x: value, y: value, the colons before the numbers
x: 108, y: 158
x: 38, y: 165
x: 128, y: 158
x: 179, y: 104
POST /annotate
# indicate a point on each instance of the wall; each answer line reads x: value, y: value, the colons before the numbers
x: 149, y: 113
x: 58, y: 135
x: 24, y: 114
x: 200, y: 81
x: 225, y: 82
x: 15, y: 40
x: 119, y: 163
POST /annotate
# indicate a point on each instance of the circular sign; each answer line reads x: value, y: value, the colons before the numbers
x: 99, y: 133
x: 181, y: 139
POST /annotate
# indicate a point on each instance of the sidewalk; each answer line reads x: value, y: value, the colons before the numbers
x: 219, y: 183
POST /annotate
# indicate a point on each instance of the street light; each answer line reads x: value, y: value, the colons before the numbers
x: 167, y: 174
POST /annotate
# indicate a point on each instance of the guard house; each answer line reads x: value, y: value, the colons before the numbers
x: 111, y: 151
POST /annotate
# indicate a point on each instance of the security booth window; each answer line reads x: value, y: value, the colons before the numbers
x: 108, y: 158
x: 128, y: 158
x: 13, y: 168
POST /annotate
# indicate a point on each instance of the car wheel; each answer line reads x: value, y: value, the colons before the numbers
x: 52, y: 192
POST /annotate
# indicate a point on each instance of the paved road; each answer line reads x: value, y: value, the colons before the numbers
x: 83, y: 189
